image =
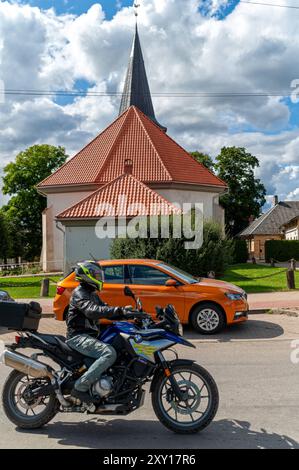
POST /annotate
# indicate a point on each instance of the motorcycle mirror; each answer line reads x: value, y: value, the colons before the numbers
x: 128, y: 292
x: 139, y: 304
x: 5, y: 297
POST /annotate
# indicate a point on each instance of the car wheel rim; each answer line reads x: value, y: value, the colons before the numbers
x: 208, y: 319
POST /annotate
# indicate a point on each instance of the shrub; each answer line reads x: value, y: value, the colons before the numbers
x: 281, y: 250
x: 240, y: 251
x: 214, y: 255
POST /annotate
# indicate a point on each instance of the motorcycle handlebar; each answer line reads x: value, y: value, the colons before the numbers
x: 135, y: 314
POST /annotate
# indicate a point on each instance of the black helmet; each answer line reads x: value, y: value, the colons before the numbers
x: 90, y: 273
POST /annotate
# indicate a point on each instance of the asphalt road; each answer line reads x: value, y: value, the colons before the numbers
x: 259, y: 393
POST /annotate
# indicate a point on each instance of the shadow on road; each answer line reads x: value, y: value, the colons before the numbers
x: 98, y: 433
x: 252, y: 329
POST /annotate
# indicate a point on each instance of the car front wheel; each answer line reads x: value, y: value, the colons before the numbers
x: 208, y: 319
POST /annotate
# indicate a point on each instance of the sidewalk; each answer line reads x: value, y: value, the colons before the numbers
x: 47, y: 304
x: 270, y: 300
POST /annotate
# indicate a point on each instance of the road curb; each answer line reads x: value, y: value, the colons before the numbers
x: 48, y: 315
x: 251, y: 312
x: 256, y: 311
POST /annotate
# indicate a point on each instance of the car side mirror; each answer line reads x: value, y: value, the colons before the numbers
x: 171, y: 283
x: 128, y: 292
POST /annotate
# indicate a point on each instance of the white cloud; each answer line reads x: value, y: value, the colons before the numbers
x: 294, y: 195
x: 253, y: 49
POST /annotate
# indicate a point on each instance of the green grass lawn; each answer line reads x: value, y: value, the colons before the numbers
x: 258, y: 278
x: 21, y: 288
x: 252, y: 278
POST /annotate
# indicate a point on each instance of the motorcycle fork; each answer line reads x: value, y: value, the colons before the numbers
x: 167, y: 372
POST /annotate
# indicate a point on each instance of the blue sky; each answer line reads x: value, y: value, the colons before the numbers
x: 78, y: 7
x: 111, y: 6
x: 222, y: 12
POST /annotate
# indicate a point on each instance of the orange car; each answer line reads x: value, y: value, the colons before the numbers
x: 207, y: 304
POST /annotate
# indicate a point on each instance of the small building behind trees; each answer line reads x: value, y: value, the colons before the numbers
x: 280, y: 222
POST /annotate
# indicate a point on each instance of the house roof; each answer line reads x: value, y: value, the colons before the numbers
x: 154, y: 155
x: 136, y: 88
x: 123, y: 197
x: 270, y: 223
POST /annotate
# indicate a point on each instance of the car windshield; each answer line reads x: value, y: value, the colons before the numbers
x: 179, y: 273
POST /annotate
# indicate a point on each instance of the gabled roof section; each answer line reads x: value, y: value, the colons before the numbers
x: 271, y: 222
x: 136, y: 88
x: 155, y: 157
x: 123, y: 197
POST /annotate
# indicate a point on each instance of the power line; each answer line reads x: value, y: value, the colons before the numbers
x: 270, y: 4
x: 203, y: 94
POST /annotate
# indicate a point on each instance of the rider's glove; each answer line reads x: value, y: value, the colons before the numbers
x: 119, y: 312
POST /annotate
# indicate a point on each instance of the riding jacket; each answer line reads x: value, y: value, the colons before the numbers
x: 85, y: 310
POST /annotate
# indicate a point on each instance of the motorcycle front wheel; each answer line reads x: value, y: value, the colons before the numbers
x: 200, y: 403
x: 21, y: 407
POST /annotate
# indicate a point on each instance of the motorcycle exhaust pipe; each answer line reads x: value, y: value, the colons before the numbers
x: 26, y: 365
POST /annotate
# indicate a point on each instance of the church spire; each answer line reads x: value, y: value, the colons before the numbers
x: 136, y: 90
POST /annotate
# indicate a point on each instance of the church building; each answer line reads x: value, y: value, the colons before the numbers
x: 135, y: 157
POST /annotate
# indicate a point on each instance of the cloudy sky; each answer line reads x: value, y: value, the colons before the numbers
x: 190, y: 46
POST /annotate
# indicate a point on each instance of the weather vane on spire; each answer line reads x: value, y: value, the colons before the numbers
x: 136, y: 6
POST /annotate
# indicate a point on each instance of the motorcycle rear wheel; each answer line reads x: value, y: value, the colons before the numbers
x: 26, y: 414
x: 192, y: 415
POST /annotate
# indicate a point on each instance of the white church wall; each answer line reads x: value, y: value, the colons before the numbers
x: 81, y: 242
x: 185, y: 196
x: 63, y: 247
x: 56, y: 203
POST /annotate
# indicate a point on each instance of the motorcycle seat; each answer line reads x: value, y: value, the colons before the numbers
x: 58, y: 340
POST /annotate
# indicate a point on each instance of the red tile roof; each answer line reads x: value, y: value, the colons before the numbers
x: 117, y: 199
x: 155, y: 156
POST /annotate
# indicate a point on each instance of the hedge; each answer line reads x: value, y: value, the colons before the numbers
x: 240, y: 251
x: 214, y: 255
x: 281, y: 250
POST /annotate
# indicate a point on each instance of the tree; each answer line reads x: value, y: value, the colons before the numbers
x: 4, y: 245
x: 246, y: 195
x: 24, y: 209
x: 204, y: 159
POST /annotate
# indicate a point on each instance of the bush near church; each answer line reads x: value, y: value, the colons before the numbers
x: 281, y: 250
x: 214, y: 255
x: 240, y: 251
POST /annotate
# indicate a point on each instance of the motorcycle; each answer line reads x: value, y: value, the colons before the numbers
x: 184, y: 395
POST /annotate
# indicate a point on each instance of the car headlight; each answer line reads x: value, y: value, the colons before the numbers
x: 235, y: 296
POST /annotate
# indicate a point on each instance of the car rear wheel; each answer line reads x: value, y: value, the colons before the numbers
x: 207, y: 319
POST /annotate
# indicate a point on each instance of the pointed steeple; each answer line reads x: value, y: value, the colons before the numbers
x: 136, y: 90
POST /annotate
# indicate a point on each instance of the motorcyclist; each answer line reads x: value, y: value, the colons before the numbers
x: 85, y: 310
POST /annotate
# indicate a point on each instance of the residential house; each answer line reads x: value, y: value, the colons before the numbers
x: 278, y: 223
